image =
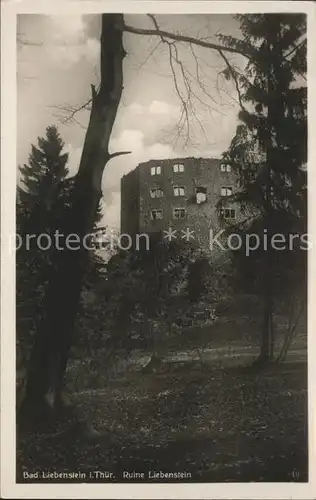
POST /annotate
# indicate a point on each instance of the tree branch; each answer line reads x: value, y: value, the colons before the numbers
x: 152, y: 17
x: 181, y: 38
x: 70, y: 111
x: 295, y: 48
x: 233, y: 74
x: 149, y: 55
x: 119, y: 153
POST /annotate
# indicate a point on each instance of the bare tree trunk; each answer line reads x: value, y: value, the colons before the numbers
x: 267, y: 339
x: 272, y: 335
x: 291, y: 330
x: 267, y: 335
x: 54, y: 337
x: 266, y: 327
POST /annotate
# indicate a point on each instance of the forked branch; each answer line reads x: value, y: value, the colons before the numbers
x: 167, y: 35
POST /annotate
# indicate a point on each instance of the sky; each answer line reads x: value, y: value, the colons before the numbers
x: 58, y: 59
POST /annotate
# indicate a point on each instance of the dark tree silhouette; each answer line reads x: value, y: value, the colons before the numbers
x: 270, y: 149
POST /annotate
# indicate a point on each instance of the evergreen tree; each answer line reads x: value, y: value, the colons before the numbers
x: 269, y: 149
x: 41, y: 187
x: 41, y: 182
x: 44, y: 198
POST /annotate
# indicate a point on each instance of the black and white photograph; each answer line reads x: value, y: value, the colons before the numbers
x: 160, y: 247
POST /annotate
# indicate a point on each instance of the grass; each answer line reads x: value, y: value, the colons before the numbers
x: 219, y: 425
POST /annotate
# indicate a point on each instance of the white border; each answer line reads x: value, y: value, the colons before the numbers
x: 9, y: 489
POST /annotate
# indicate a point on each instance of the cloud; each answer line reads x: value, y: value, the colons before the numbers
x: 135, y: 108
x: 154, y: 108
x: 70, y: 42
x: 64, y: 39
x: 68, y: 29
x: 161, y: 107
x: 153, y: 118
x: 88, y: 50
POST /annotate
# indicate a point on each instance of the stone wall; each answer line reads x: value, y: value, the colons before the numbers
x: 202, y: 175
x: 130, y: 202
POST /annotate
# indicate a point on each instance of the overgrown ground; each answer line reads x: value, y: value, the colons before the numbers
x: 216, y: 420
x: 216, y: 424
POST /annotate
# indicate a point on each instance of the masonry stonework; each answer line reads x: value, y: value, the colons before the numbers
x: 199, y: 183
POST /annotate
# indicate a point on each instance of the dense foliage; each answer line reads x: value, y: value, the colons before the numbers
x: 269, y: 151
x: 44, y: 197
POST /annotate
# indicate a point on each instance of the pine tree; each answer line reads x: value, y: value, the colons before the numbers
x: 270, y: 147
x: 44, y: 202
x: 42, y: 180
x: 42, y: 196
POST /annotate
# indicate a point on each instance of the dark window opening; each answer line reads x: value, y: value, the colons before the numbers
x: 156, y: 193
x: 179, y: 213
x: 156, y: 214
x: 228, y: 213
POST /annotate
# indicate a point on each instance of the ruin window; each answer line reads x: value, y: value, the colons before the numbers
x: 155, y: 170
x: 228, y: 213
x: 225, y: 167
x: 226, y: 191
x: 179, y: 191
x: 179, y: 213
x: 200, y: 195
x: 156, y: 193
x: 178, y: 167
x: 156, y: 214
